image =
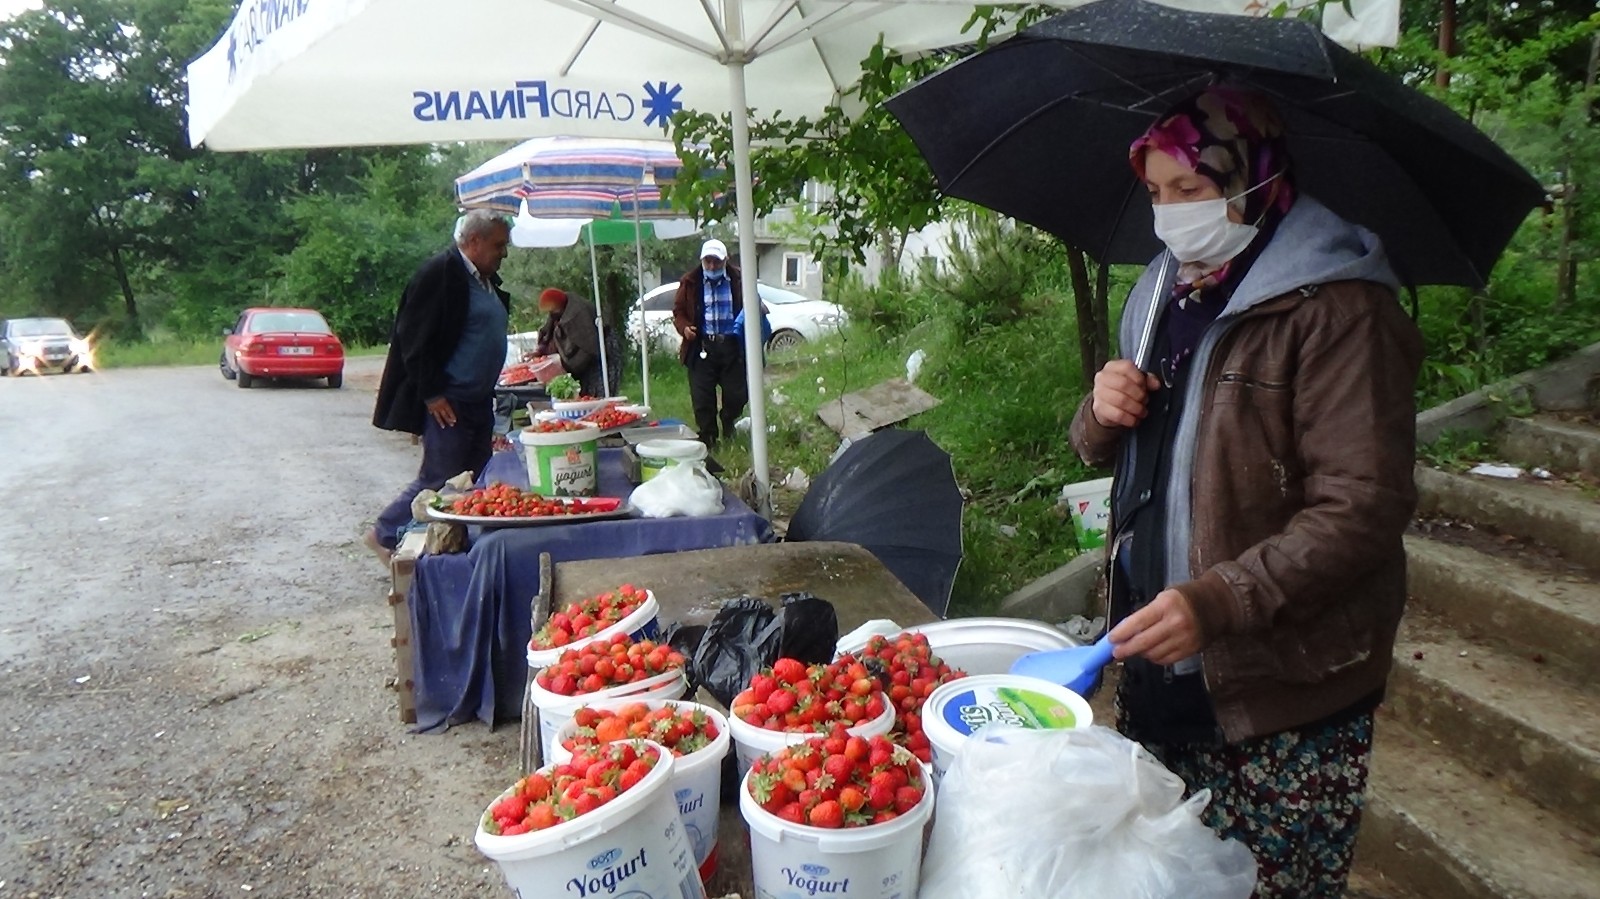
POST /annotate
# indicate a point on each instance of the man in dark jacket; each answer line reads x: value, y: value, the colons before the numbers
x: 572, y: 333
x: 445, y: 355
x: 704, y: 313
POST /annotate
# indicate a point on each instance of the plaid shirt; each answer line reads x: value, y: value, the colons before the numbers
x: 719, y: 306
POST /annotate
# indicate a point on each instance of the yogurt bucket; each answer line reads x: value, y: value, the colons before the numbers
x: 1089, y: 503
x: 696, y: 779
x: 751, y: 742
x: 632, y: 846
x: 656, y: 456
x: 795, y: 861
x: 643, y: 623
x: 562, y: 463
x: 983, y: 645
x: 957, y: 709
x: 556, y: 709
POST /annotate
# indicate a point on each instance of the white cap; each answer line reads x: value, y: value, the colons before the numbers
x: 713, y: 248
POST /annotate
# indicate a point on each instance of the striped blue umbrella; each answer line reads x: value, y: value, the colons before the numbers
x: 572, y: 177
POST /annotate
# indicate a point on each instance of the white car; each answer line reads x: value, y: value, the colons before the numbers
x: 795, y: 318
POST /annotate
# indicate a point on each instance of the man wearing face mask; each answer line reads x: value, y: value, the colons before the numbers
x: 705, y: 313
x: 571, y: 332
x: 1263, y: 435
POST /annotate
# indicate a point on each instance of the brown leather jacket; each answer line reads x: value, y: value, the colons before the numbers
x: 1299, y: 493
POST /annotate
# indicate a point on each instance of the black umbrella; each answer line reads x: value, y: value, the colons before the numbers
x: 893, y: 493
x: 1038, y: 127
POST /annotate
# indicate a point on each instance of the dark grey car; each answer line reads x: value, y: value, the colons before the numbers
x: 38, y: 345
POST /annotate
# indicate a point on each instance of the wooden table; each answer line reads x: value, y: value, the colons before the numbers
x: 688, y: 586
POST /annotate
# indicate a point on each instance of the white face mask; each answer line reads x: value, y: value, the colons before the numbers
x: 1201, y: 232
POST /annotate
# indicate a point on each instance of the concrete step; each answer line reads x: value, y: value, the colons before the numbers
x: 1441, y: 829
x: 1502, y: 713
x: 1530, y: 606
x: 1553, y: 513
x: 1561, y: 445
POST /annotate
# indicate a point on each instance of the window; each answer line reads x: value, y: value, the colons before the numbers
x: 660, y: 302
x: 794, y: 269
x: 301, y: 322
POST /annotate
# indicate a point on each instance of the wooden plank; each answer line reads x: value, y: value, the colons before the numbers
x: 878, y: 406
x: 532, y: 747
x: 402, y: 567
x: 688, y: 585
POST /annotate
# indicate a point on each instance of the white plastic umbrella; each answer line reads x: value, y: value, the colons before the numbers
x: 310, y: 73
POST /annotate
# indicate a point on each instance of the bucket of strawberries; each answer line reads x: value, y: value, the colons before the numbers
x: 612, y: 668
x: 841, y: 815
x: 626, y: 610
x: 792, y: 702
x: 604, y: 820
x: 697, y: 736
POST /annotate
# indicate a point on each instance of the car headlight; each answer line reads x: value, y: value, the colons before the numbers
x: 80, y: 347
x: 33, y: 348
x: 827, y: 318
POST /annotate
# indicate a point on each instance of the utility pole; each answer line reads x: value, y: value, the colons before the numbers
x: 1447, y: 42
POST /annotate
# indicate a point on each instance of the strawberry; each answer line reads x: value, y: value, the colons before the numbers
x: 826, y: 814
x: 789, y: 671
x: 562, y: 792
x: 906, y: 798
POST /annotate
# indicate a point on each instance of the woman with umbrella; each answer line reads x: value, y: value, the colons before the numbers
x: 1265, y: 435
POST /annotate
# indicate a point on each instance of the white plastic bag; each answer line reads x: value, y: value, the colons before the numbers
x: 682, y: 489
x: 1028, y: 814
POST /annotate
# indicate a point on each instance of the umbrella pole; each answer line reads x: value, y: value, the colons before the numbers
x: 599, y: 315
x: 753, y: 363
x: 644, y: 325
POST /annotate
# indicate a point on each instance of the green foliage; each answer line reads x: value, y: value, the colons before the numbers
x: 1456, y: 450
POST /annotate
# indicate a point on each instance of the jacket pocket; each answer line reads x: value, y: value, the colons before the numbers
x: 1253, y: 427
x: 1310, y: 652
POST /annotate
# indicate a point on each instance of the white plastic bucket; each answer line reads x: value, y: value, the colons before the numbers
x: 643, y: 623
x: 656, y: 456
x: 562, y: 463
x: 556, y: 709
x: 1089, y: 503
x: 696, y: 781
x: 879, y: 861
x: 634, y: 844
x: 751, y: 742
x: 958, y: 708
x: 981, y: 645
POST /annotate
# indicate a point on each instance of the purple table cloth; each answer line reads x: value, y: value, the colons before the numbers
x: 470, y: 611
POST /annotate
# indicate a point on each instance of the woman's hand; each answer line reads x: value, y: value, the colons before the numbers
x: 1122, y: 394
x: 1165, y: 632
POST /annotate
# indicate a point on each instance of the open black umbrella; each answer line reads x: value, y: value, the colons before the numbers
x: 1038, y: 127
x: 894, y: 494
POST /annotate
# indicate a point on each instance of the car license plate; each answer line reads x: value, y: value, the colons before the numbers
x: 295, y: 351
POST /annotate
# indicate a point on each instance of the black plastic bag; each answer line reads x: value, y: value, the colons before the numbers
x: 748, y: 634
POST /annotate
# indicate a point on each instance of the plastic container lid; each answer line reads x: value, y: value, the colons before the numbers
x: 681, y: 450
x: 958, y: 708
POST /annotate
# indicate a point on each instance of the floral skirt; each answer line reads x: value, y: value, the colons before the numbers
x: 1294, y: 798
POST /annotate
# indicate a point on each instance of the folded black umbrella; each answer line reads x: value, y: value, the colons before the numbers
x: 894, y: 494
x: 1038, y: 128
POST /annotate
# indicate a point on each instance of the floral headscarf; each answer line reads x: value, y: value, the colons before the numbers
x: 1234, y: 138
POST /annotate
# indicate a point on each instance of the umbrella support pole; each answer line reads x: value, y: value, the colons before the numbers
x: 599, y: 316
x: 744, y: 185
x: 644, y: 325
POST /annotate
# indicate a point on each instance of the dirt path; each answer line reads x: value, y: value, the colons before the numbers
x: 195, y: 649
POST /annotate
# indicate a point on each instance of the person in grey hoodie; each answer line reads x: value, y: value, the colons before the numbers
x: 1264, y: 435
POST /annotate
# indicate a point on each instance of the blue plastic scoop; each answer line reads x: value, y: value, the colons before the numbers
x: 1074, y: 668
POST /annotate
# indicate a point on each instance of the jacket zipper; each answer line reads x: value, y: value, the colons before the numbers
x: 1234, y: 377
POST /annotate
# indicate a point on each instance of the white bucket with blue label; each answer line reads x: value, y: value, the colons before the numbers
x: 955, y: 710
x: 696, y: 781
x: 633, y: 846
x: 795, y: 861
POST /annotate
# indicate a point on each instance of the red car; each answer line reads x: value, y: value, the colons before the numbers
x: 281, y: 343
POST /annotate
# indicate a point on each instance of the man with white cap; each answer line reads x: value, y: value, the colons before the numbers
x: 705, y: 314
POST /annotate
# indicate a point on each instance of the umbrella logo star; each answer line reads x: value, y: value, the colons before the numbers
x: 660, y: 103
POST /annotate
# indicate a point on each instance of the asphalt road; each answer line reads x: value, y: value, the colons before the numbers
x: 194, y: 653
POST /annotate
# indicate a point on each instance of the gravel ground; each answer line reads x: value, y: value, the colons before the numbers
x: 195, y: 653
